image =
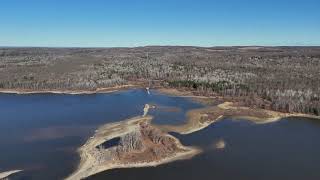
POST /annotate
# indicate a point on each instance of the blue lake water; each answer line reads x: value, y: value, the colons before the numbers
x: 40, y: 133
x: 284, y: 150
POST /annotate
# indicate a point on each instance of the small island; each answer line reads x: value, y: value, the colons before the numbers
x: 130, y: 143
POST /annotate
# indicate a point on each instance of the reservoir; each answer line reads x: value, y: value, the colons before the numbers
x: 40, y: 134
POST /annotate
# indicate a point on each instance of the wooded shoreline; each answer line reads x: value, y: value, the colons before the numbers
x: 284, y: 79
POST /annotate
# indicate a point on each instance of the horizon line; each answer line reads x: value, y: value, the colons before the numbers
x: 106, y: 47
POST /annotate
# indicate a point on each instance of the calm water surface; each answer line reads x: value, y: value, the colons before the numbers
x: 40, y: 133
x: 285, y: 150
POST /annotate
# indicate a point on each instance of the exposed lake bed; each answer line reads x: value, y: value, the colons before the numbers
x: 56, y: 125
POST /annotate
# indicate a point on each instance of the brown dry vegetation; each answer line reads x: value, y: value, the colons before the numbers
x: 147, y: 144
x: 140, y: 144
x: 285, y: 79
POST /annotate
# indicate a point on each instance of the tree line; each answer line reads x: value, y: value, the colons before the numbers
x: 279, y: 78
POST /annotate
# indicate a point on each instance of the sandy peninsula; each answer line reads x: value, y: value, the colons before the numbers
x: 199, y: 119
x: 218, y: 107
x: 136, y: 142
x: 141, y: 145
x: 138, y: 137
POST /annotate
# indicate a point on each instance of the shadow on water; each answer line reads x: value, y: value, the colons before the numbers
x: 110, y: 143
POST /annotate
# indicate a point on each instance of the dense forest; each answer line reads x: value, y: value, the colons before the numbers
x: 280, y: 78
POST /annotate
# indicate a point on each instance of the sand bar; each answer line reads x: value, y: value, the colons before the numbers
x: 6, y: 174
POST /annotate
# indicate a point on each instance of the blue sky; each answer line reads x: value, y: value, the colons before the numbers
x: 110, y: 23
